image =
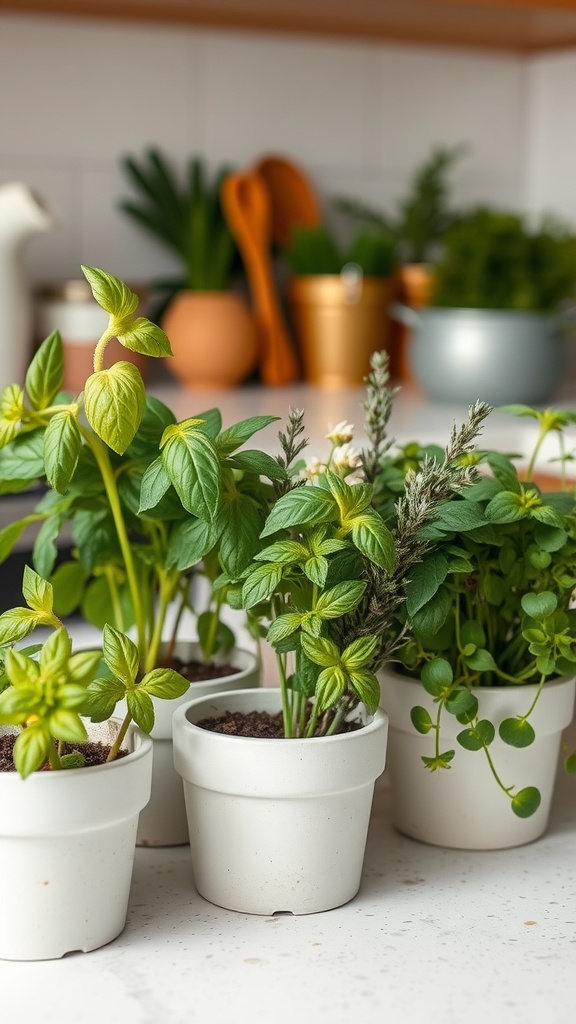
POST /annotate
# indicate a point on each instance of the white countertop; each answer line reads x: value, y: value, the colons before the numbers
x: 434, y: 935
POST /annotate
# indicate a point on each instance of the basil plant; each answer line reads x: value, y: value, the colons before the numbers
x: 148, y: 501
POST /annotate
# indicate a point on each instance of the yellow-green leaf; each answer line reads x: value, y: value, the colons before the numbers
x: 114, y: 401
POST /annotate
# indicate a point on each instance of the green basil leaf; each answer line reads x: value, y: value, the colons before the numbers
x: 145, y: 337
x: 110, y: 293
x: 114, y: 402
x: 164, y: 683
x: 298, y: 507
x: 192, y: 465
x: 45, y: 374
x: 120, y: 655
x: 235, y: 436
x: 62, y: 444
x: 425, y: 578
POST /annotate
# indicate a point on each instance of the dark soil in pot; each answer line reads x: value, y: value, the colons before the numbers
x: 261, y: 725
x: 94, y: 753
x: 198, y: 671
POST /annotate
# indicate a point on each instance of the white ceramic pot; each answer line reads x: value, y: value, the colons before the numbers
x: 462, y: 806
x: 163, y: 820
x: 67, y: 842
x: 276, y: 824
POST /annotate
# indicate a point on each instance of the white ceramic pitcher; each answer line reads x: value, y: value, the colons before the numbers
x: 22, y: 214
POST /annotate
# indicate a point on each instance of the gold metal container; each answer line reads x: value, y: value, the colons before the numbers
x: 339, y: 321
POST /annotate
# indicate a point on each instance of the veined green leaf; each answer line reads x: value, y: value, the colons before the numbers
x: 62, y: 444
x: 141, y: 708
x: 300, y: 506
x: 120, y: 655
x: 481, y: 661
x: 102, y: 696
x: 426, y: 577
x: 23, y: 458
x: 352, y: 499
x: 340, y: 600
x: 141, y: 335
x: 17, y: 623
x: 320, y: 650
x: 461, y: 515
x: 288, y: 552
x: 283, y: 626
x: 114, y: 402
x: 56, y: 652
x: 31, y: 748
x: 192, y: 465
x: 191, y: 540
x: 37, y: 592
x: 373, y: 539
x: 164, y: 683
x: 506, y: 507
x: 260, y: 584
x: 155, y: 483
x: 259, y: 463
x: 45, y: 374
x: 367, y: 687
x: 330, y: 687
x: 359, y: 653
x: 110, y: 293
x: 235, y: 436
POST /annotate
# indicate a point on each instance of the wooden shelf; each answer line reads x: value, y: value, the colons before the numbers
x: 519, y: 26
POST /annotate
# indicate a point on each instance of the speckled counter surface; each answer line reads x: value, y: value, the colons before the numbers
x: 434, y: 935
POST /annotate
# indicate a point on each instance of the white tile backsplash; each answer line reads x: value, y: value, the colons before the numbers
x: 359, y: 117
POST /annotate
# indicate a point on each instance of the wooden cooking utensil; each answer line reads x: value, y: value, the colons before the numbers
x: 247, y: 208
x: 292, y: 197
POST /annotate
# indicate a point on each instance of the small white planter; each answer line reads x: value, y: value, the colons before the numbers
x: 276, y: 824
x: 463, y: 807
x: 67, y: 843
x: 163, y: 820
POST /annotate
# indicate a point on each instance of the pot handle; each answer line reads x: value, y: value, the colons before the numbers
x: 405, y: 314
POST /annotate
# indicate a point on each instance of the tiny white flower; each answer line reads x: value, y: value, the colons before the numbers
x: 314, y: 468
x: 341, y: 433
x: 345, y: 457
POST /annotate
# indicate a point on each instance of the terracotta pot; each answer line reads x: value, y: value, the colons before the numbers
x: 213, y: 339
x: 339, y: 324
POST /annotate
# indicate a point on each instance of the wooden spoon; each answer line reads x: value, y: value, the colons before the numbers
x: 247, y: 208
x: 292, y: 197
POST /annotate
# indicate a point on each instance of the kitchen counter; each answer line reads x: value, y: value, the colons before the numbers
x: 434, y: 934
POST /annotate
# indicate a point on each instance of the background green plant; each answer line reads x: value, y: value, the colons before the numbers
x: 314, y: 250
x: 492, y: 260
x: 186, y: 216
x: 423, y: 216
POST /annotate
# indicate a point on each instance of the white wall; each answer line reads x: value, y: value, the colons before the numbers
x: 75, y: 95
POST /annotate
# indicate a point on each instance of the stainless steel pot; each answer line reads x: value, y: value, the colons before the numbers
x: 499, y: 356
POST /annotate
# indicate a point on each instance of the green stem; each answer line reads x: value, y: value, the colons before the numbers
x: 541, y: 435
x: 120, y: 738
x: 313, y: 720
x: 109, y: 480
x: 505, y: 789
x: 535, y: 701
x: 213, y: 630
x: 55, y: 762
x: 100, y: 349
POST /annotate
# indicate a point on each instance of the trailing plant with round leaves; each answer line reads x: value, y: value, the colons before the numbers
x: 490, y: 603
x: 147, y: 499
x: 46, y: 690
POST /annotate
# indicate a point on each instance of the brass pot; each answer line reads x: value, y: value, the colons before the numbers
x: 339, y: 322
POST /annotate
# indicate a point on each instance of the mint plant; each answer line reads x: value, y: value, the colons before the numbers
x: 331, y: 574
x: 145, y: 497
x: 45, y: 690
x: 490, y: 602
